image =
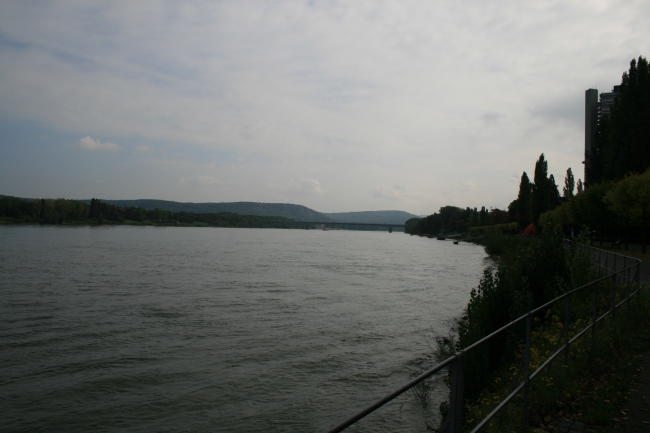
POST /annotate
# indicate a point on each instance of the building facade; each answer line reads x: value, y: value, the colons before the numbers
x: 594, y: 111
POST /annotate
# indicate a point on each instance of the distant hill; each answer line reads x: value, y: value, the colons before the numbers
x: 293, y: 211
x: 372, y: 217
x: 287, y: 210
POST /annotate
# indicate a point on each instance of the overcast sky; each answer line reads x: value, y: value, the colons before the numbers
x: 338, y: 106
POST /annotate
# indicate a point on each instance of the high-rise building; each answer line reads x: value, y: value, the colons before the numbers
x: 607, y: 102
x: 591, y: 124
x: 594, y: 112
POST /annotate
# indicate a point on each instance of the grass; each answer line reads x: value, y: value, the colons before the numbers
x: 592, y: 390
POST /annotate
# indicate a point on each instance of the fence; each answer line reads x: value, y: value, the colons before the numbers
x: 606, y: 263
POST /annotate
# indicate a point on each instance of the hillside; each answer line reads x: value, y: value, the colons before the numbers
x: 293, y: 211
x: 373, y: 217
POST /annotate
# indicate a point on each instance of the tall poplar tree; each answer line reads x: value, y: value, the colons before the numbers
x: 523, y: 198
x: 569, y: 184
x: 540, y: 197
x: 553, y: 193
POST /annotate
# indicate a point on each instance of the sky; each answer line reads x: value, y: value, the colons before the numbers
x: 336, y: 105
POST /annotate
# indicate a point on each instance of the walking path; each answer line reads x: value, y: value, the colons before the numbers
x: 635, y: 417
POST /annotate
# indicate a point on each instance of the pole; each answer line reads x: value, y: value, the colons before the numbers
x: 566, y: 331
x: 454, y: 415
x: 526, y: 374
x: 612, y: 307
x: 643, y: 229
x: 593, y: 323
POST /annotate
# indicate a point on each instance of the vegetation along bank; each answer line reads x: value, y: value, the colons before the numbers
x: 63, y: 211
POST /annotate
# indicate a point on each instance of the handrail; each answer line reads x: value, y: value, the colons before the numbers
x: 456, y: 361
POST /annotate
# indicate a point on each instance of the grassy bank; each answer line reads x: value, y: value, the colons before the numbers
x: 528, y: 274
x: 592, y: 388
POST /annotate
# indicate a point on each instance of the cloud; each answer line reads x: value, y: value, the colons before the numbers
x: 394, y: 192
x: 305, y: 186
x: 567, y: 108
x: 200, y: 181
x: 144, y: 149
x: 353, y: 94
x: 95, y: 145
x: 491, y: 118
x: 466, y: 185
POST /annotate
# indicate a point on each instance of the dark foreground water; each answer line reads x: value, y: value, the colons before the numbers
x: 212, y: 329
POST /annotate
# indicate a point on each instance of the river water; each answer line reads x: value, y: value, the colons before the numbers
x: 141, y: 329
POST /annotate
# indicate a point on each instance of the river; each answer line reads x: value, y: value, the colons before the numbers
x: 141, y: 329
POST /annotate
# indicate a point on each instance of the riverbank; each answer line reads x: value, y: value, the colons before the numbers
x: 244, y: 222
x: 591, y: 389
x: 612, y: 394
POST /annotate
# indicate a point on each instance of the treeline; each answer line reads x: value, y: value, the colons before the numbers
x: 614, y: 211
x: 452, y: 219
x: 63, y: 211
x: 527, y: 274
x: 622, y: 150
x: 542, y: 194
x: 614, y: 201
x: 534, y: 198
x: 44, y: 211
x: 623, y: 137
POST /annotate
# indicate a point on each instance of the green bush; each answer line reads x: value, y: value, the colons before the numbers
x: 528, y: 274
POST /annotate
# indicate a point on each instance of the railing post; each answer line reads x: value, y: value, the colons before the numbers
x: 453, y: 423
x: 566, y: 331
x: 638, y: 286
x: 453, y: 420
x: 638, y: 282
x: 606, y: 262
x: 629, y: 271
x: 526, y: 374
x: 600, y: 253
x: 593, y: 322
x: 612, y: 307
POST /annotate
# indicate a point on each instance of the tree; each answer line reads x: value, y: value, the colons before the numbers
x: 473, y: 221
x: 569, y: 184
x: 631, y: 198
x: 554, y: 193
x: 523, y: 198
x: 483, y: 217
x: 540, y: 192
x: 580, y: 187
x: 623, y: 137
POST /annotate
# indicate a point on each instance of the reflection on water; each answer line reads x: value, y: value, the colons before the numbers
x: 216, y: 329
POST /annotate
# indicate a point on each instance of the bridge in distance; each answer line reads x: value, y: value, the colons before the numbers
x: 390, y: 226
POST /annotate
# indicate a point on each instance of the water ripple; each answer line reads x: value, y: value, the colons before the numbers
x: 202, y: 329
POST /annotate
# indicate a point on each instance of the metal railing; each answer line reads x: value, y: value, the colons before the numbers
x: 453, y: 420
